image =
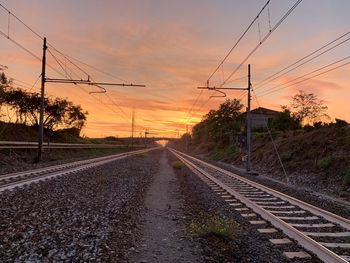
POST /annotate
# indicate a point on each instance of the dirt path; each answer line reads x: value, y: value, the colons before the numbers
x: 162, y: 236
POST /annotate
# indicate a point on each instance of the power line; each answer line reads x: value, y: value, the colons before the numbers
x: 68, y: 58
x: 276, y: 88
x: 21, y: 21
x: 97, y: 69
x: 31, y: 30
x: 26, y: 50
x: 276, y: 75
x: 56, y: 59
x: 20, y: 45
x: 239, y: 40
x: 261, y: 42
x: 99, y: 100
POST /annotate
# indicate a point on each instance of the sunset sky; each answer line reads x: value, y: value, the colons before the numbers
x: 172, y: 47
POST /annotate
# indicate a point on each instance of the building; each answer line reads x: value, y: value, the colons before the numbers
x: 261, y: 117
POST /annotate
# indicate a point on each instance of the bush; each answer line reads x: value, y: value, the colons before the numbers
x: 217, y: 226
x: 325, y: 163
x: 177, y: 165
x: 346, y: 178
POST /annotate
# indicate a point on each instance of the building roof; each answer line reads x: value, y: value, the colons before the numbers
x: 265, y: 111
x: 262, y: 110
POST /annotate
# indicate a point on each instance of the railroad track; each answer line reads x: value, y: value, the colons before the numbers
x: 325, y: 234
x: 13, y: 180
x: 47, y: 145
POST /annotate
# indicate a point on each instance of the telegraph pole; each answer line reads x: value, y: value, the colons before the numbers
x: 42, y: 104
x: 249, y: 126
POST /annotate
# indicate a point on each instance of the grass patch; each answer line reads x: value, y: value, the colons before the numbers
x: 177, y: 165
x: 325, y: 162
x: 346, y: 178
x: 216, y: 226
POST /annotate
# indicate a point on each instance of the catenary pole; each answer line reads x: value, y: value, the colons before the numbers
x: 44, y: 79
x: 249, y: 125
x: 248, y: 116
x: 42, y: 104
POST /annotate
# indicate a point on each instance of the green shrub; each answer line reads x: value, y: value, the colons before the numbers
x: 325, y: 163
x: 178, y: 165
x: 215, y: 225
x: 346, y: 178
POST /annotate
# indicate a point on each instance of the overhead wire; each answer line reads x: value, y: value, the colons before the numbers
x: 99, y: 100
x: 66, y: 57
x: 278, y: 74
x: 283, y: 86
x: 261, y: 42
x: 239, y: 40
x: 271, y: 30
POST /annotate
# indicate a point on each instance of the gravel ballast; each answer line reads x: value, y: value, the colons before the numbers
x: 111, y: 213
x: 84, y: 217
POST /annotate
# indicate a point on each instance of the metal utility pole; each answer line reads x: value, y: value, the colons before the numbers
x: 132, y: 128
x: 42, y: 104
x: 44, y: 79
x: 249, y: 126
x: 248, y: 120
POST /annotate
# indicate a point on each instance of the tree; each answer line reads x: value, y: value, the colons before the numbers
x: 284, y: 122
x: 218, y: 125
x: 75, y: 116
x: 4, y: 83
x: 307, y: 108
x: 59, y: 113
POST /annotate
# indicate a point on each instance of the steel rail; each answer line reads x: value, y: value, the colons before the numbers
x: 58, y: 167
x: 344, y: 222
x: 53, y: 171
x: 321, y: 251
x: 30, y: 145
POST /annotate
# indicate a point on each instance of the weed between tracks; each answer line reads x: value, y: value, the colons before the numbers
x: 142, y: 155
x: 216, y: 226
x: 177, y: 165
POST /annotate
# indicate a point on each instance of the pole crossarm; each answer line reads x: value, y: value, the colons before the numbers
x: 215, y: 88
x: 88, y: 82
x: 44, y: 79
x: 248, y: 115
